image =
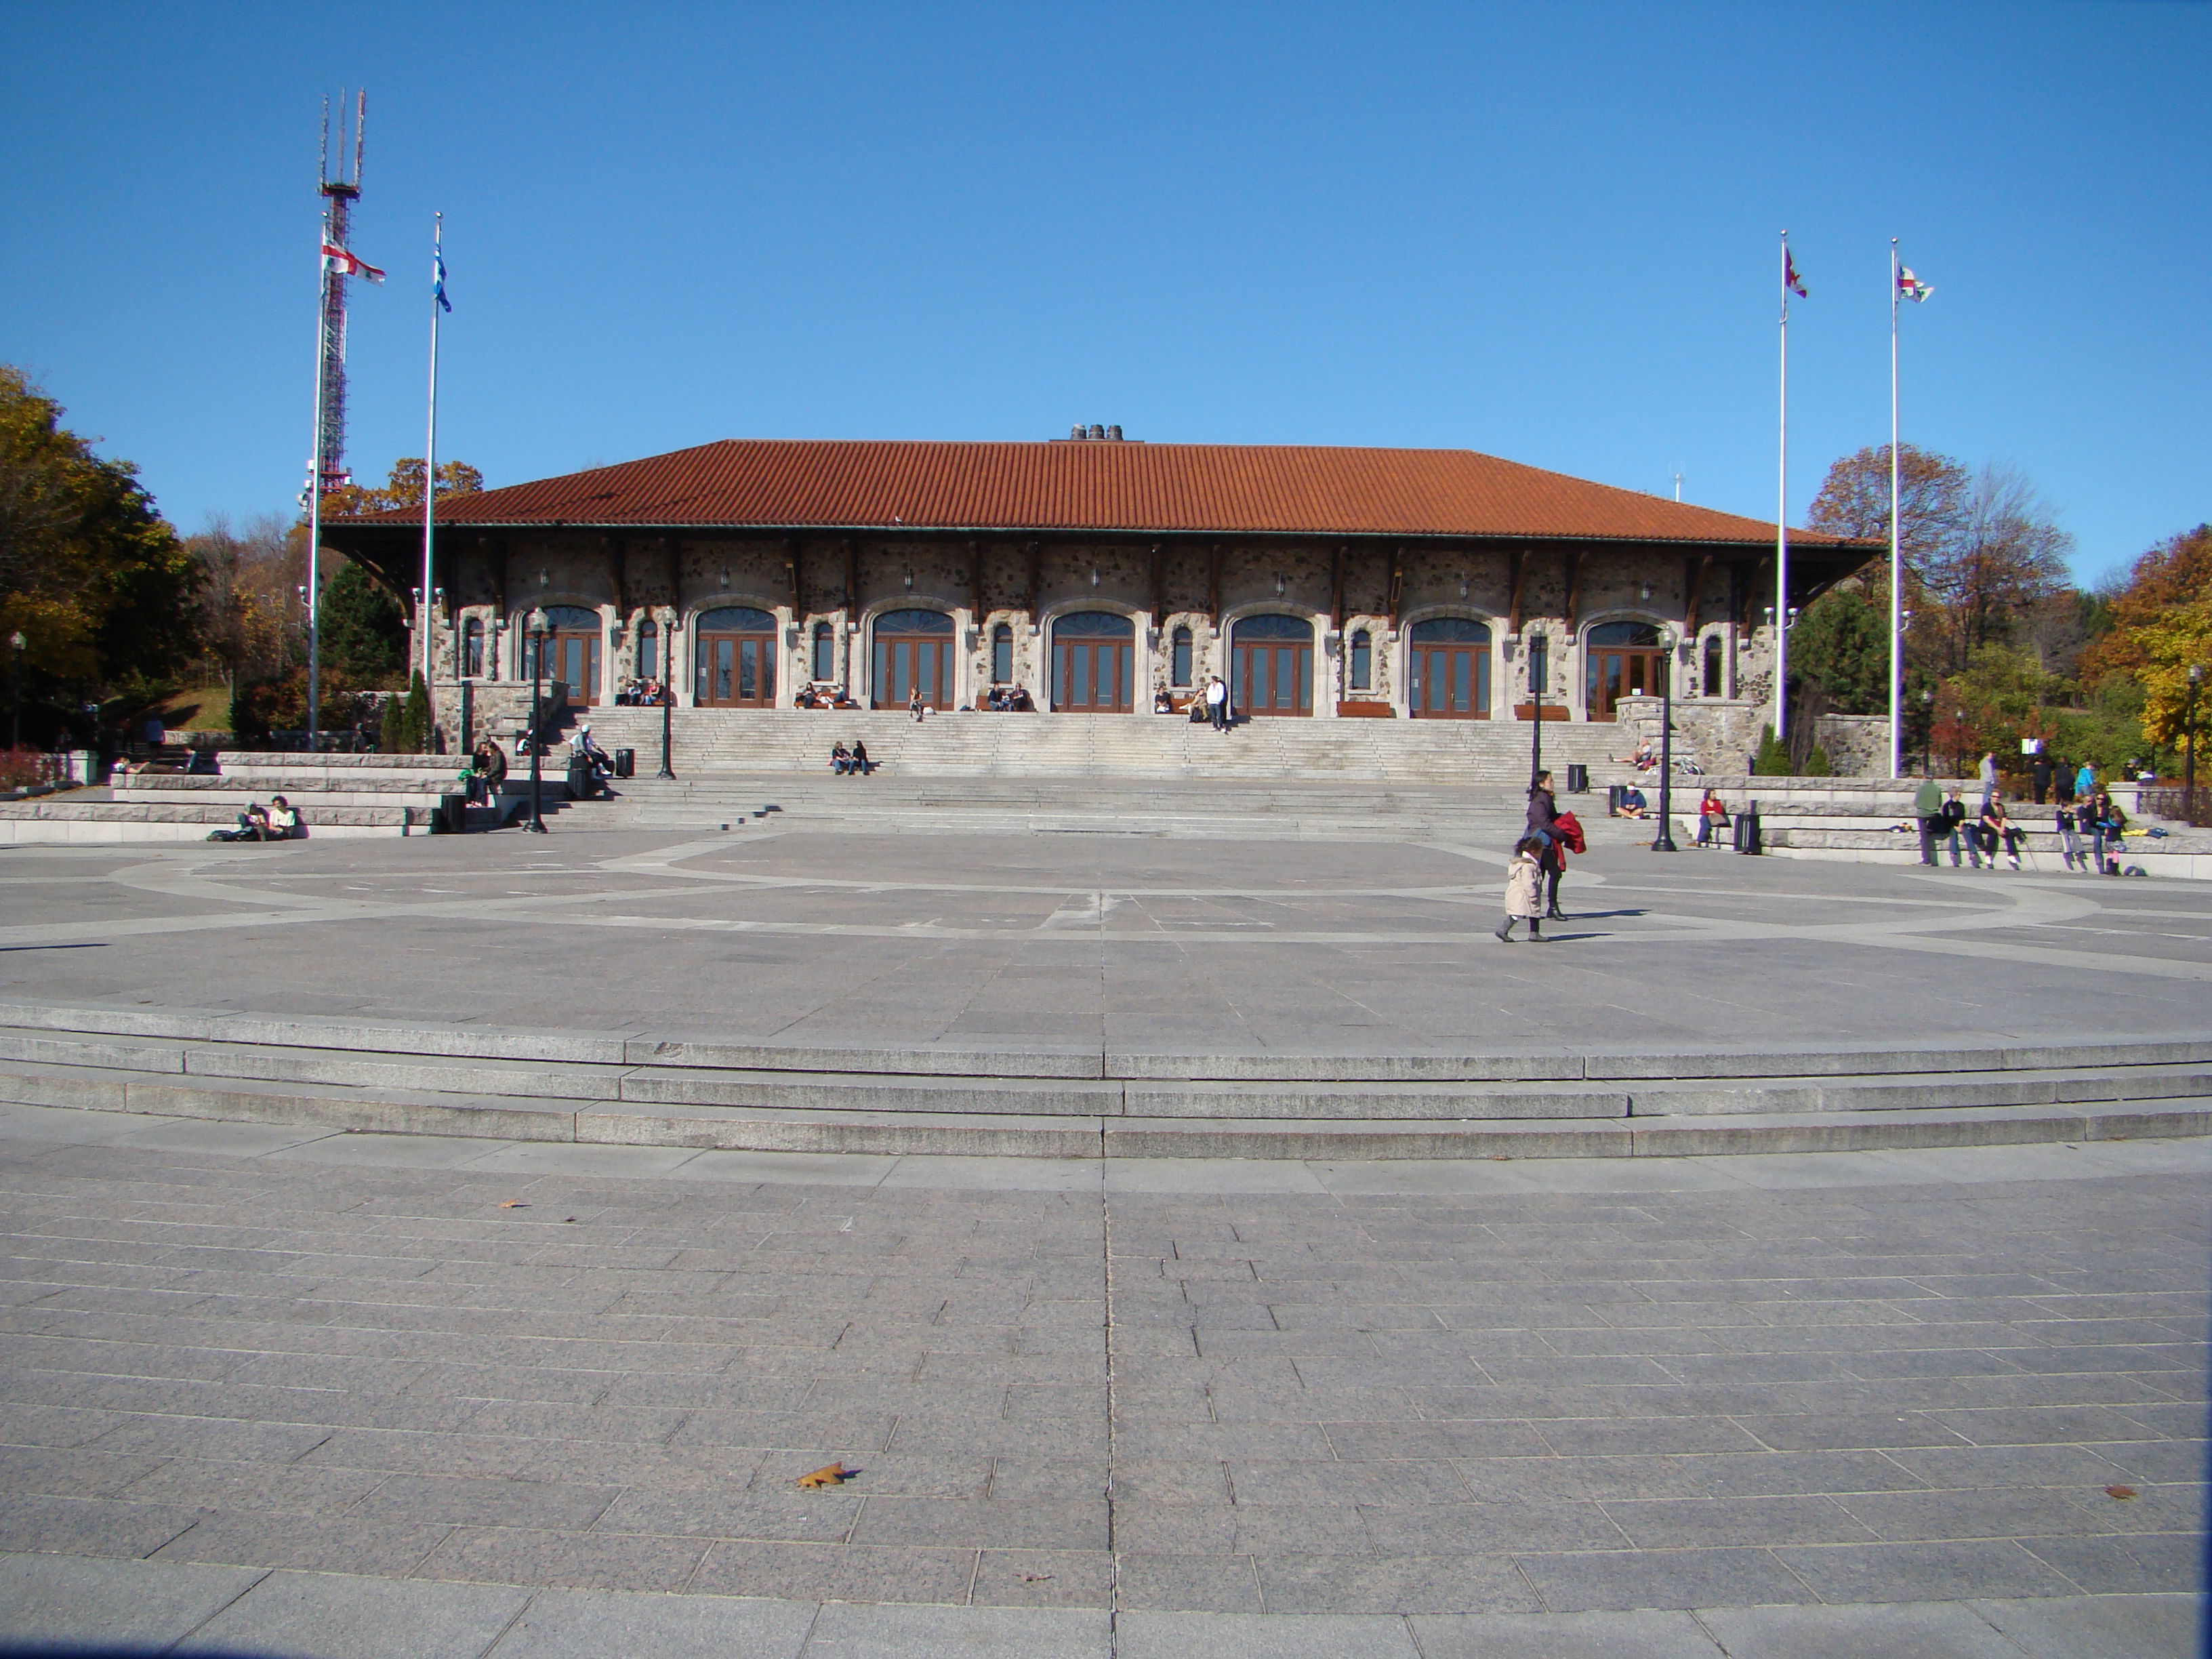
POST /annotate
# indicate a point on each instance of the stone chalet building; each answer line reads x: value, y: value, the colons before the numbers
x: 1322, y: 583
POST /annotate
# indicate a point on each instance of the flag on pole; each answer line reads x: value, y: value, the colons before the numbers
x: 337, y: 259
x: 444, y: 304
x: 1911, y: 287
x: 1791, y: 279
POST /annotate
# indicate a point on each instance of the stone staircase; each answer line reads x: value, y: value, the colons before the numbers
x: 797, y: 741
x: 661, y: 1089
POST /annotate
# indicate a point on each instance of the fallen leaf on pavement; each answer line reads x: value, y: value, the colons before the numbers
x: 829, y: 1474
x: 513, y: 1204
x: 2119, y: 1492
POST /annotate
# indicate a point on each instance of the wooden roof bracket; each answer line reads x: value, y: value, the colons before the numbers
x: 1336, y: 588
x: 1516, y: 568
x: 1159, y: 588
x: 1694, y: 569
x: 852, y: 577
x: 1574, y: 586
x: 1397, y: 585
x: 792, y: 555
x: 1035, y: 580
x: 975, y: 581
x: 1214, y: 583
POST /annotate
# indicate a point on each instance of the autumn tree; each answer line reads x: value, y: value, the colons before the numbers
x: 252, y: 623
x: 97, y: 581
x: 2161, y: 628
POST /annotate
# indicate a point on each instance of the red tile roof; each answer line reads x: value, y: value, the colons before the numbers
x: 1227, y: 488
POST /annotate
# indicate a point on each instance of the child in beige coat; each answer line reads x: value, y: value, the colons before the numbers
x: 1524, y: 890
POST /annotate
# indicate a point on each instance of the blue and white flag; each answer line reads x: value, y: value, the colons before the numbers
x: 439, y: 260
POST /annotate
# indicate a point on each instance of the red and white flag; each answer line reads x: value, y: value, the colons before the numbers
x: 1791, y: 279
x: 1912, y: 288
x: 346, y: 264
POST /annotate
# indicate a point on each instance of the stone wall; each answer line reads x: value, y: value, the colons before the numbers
x: 844, y: 584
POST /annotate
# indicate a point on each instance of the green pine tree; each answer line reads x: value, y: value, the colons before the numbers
x: 1774, y: 761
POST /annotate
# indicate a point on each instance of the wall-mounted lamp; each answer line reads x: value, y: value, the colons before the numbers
x: 909, y: 580
x: 1094, y: 575
x: 1647, y: 592
x: 545, y: 578
x: 1279, y: 583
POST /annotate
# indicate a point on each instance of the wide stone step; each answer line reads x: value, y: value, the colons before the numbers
x: 971, y: 1133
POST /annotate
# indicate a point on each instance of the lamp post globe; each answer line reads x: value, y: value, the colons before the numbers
x: 1664, y: 841
x: 536, y: 624
x: 667, y: 700
x: 2188, y: 760
x: 16, y: 644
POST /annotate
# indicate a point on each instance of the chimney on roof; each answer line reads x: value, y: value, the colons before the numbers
x: 1080, y: 433
x: 1075, y: 433
x: 1098, y: 433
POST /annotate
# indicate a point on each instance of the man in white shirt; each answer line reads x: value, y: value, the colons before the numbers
x: 1217, y: 704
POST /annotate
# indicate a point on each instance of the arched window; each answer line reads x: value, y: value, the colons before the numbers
x: 1363, y: 661
x: 1002, y: 654
x: 1179, y: 658
x: 825, y: 652
x: 1713, y: 679
x: 648, y: 649
x: 1448, y: 669
x: 472, y: 649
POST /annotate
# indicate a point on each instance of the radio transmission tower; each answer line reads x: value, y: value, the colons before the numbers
x: 339, y: 194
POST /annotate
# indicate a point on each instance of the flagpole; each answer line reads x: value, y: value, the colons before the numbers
x: 425, y: 606
x: 1781, y: 524
x: 1896, y: 542
x: 315, y: 504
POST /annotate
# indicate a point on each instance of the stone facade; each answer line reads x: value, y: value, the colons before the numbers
x: 490, y: 584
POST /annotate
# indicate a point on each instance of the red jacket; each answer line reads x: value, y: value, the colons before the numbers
x: 1569, y: 829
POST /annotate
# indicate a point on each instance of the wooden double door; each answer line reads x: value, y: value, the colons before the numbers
x: 1094, y: 663
x: 1448, y: 676
x: 913, y: 650
x: 1272, y: 660
x: 573, y: 645
x: 735, y: 650
x: 1620, y: 660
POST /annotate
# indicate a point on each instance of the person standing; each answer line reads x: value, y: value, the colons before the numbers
x: 2063, y: 789
x: 1989, y: 779
x: 2039, y: 776
x: 2085, y: 782
x: 1524, y: 900
x: 1217, y: 704
x: 1927, y: 808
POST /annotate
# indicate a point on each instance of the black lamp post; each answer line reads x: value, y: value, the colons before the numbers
x: 1664, y: 841
x: 537, y: 625
x: 2188, y: 764
x: 668, y: 703
x: 16, y: 642
x: 1538, y: 672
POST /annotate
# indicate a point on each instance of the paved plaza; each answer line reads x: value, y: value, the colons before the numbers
x: 276, y: 1389
x: 1152, y: 943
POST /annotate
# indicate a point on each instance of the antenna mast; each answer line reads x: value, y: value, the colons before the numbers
x: 339, y: 194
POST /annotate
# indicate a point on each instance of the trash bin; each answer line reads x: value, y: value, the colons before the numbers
x: 1615, y: 795
x: 579, y: 778
x: 452, y: 817
x: 625, y: 762
x: 1747, y: 829
x: 1577, y: 778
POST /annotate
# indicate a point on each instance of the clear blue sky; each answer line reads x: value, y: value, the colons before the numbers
x: 1546, y: 232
